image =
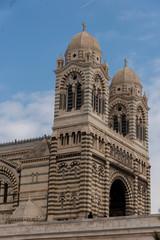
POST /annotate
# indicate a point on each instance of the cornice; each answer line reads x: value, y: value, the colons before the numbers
x: 82, y: 65
x: 64, y: 155
x: 31, y: 160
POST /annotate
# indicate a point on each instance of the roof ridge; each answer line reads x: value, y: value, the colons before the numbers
x: 24, y: 141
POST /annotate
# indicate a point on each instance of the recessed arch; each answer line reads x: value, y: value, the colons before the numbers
x: 72, y: 90
x: 117, y: 199
x: 98, y: 75
x: 141, y: 121
x: 119, y: 117
x: 69, y: 72
x: 9, y: 179
x: 121, y: 184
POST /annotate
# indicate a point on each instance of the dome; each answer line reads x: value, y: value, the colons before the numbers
x: 126, y: 75
x: 83, y: 47
x: 83, y: 39
x: 28, y: 212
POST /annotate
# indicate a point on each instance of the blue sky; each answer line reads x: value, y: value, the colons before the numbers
x: 34, y: 32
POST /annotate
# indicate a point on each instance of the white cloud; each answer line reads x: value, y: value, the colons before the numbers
x: 134, y: 14
x: 31, y: 115
x: 87, y: 4
x: 26, y: 116
x: 152, y: 86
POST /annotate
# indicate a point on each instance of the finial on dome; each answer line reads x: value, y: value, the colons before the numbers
x: 125, y: 62
x: 84, y: 26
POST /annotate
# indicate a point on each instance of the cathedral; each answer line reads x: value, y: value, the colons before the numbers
x: 95, y: 163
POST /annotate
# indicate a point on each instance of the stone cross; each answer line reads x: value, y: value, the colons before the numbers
x: 84, y: 26
x: 125, y: 62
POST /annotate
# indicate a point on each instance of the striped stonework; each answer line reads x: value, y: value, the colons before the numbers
x: 96, y: 161
x: 52, y: 188
x: 85, y: 175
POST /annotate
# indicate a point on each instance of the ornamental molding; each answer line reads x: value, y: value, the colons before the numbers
x: 64, y: 155
x: 69, y: 71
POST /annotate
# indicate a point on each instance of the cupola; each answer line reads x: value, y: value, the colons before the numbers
x: 28, y: 212
x: 82, y: 44
x: 126, y: 81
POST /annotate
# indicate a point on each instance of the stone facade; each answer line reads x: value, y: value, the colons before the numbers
x: 96, y: 159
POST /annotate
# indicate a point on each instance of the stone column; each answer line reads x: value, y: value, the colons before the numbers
x: 148, y: 197
x: 2, y: 193
x: 107, y: 182
x: 135, y: 188
x: 86, y: 175
x: 52, y: 189
x: 132, y: 121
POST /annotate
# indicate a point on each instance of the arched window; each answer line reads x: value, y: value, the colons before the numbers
x: 79, y: 137
x: 70, y: 99
x: 78, y: 97
x: 124, y: 125
x: 67, y: 138
x: 71, y: 93
x: 115, y: 123
x: 140, y: 125
x: 62, y: 139
x: 118, y: 119
x: 98, y: 98
x: 73, y: 137
x: 5, y: 192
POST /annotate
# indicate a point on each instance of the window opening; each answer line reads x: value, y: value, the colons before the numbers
x: 79, y: 137
x: 70, y: 98
x: 116, y: 123
x: 74, y: 77
x: 79, y: 97
x: 124, y: 125
x: 67, y: 138
x: 62, y: 140
x: 5, y: 192
x: 74, y: 137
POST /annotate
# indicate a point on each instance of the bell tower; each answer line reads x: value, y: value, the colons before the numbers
x: 81, y: 104
x: 99, y: 159
x: 128, y: 117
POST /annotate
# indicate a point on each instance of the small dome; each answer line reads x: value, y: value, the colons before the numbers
x: 83, y: 39
x: 28, y: 212
x: 125, y: 75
